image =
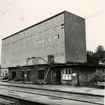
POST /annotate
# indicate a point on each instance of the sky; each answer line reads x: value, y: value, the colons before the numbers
x: 16, y: 15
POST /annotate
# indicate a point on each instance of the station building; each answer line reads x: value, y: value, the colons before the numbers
x: 52, y: 51
x: 62, y: 36
x: 76, y: 74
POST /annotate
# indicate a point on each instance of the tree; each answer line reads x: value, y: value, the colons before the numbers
x: 99, y: 54
x: 94, y: 58
x: 100, y: 48
x: 90, y: 57
x: 97, y: 77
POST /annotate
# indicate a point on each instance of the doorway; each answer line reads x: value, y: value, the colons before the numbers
x: 22, y: 75
x: 13, y: 74
x: 58, y: 77
x: 28, y: 75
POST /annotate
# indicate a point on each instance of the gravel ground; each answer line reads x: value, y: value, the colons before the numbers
x: 5, y: 101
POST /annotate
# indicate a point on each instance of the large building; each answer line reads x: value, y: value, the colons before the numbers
x: 62, y: 36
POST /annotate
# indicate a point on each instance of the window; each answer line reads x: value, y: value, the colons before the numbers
x: 66, y: 71
x: 67, y: 74
x: 77, y: 50
x: 77, y: 59
x: 49, y: 39
x: 56, y: 36
x: 42, y: 41
x: 41, y: 74
x: 39, y: 41
x: 55, y: 28
x: 76, y: 24
x: 69, y: 71
x: 62, y: 24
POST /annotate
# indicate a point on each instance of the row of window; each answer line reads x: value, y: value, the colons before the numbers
x: 40, y: 41
x: 45, y: 40
x: 29, y: 34
x: 23, y: 49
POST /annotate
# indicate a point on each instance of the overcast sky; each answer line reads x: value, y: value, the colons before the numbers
x: 16, y: 15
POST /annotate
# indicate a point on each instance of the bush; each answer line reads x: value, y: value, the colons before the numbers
x: 97, y: 77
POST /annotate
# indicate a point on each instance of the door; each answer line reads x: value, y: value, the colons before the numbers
x: 28, y: 75
x: 58, y: 77
x: 13, y: 74
x: 22, y: 75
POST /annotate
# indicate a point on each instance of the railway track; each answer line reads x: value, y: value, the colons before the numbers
x: 15, y: 93
x: 5, y: 100
x: 8, y: 101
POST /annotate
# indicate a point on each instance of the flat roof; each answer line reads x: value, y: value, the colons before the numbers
x: 40, y: 23
x: 35, y: 24
x: 72, y: 64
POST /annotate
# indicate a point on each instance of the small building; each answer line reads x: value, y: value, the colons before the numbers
x: 58, y: 74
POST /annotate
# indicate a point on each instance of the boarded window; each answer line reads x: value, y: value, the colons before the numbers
x: 41, y: 74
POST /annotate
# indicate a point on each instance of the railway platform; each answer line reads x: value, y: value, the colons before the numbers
x: 53, y: 94
x: 60, y: 88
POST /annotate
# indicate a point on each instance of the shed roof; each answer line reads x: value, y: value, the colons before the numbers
x: 63, y: 65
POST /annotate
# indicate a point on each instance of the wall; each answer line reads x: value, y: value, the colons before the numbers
x: 3, y: 72
x: 75, y: 38
x: 46, y: 38
x: 56, y: 78
x: 18, y: 73
x: 83, y: 73
x: 70, y: 79
x: 33, y: 73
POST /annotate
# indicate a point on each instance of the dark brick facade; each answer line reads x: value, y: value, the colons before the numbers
x: 58, y: 73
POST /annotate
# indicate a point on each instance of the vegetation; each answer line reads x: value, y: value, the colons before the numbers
x: 97, y: 77
x: 97, y: 56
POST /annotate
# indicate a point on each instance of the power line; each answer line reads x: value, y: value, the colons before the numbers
x: 7, y: 6
x: 93, y: 14
x: 5, y: 12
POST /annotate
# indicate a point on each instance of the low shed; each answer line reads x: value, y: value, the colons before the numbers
x: 58, y: 74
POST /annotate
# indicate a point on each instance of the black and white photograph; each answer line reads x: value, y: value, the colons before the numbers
x: 52, y: 52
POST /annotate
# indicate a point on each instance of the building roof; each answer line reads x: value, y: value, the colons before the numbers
x: 61, y: 65
x: 39, y: 23
x: 35, y: 24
